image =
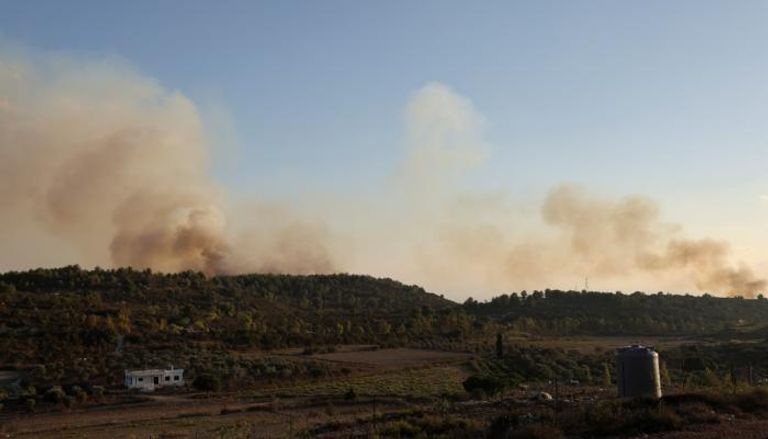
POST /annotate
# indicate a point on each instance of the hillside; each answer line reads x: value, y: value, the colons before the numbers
x: 557, y: 312
x: 99, y: 321
x: 88, y: 325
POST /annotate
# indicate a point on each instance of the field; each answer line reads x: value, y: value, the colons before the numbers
x: 393, y: 392
x: 394, y: 377
x: 391, y: 357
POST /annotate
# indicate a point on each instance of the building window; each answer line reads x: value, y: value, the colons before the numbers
x: 141, y: 379
x: 167, y: 378
x: 175, y: 377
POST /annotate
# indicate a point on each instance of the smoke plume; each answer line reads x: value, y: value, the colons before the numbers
x: 624, y: 236
x: 100, y: 165
x: 111, y: 162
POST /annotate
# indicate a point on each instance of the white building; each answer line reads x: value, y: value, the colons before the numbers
x: 151, y: 379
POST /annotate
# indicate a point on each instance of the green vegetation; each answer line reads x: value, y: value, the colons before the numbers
x: 71, y: 332
x: 416, y: 383
x: 526, y: 364
x: 555, y: 312
x: 73, y: 325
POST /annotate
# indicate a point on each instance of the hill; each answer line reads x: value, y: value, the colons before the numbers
x: 70, y: 324
x: 555, y: 312
x: 97, y: 322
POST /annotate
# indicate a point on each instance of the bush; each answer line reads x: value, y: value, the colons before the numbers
x: 30, y: 404
x: 698, y: 413
x: 490, y: 385
x: 662, y: 419
x: 79, y: 394
x: 98, y: 392
x: 753, y: 400
x: 55, y: 395
x: 536, y: 432
x: 606, y: 417
x: 207, y: 383
x: 401, y: 429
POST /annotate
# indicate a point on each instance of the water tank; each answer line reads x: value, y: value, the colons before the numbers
x: 637, y: 368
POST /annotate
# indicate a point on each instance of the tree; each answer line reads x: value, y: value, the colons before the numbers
x: 711, y: 379
x: 606, y: 375
x: 124, y: 320
x: 585, y: 374
x: 499, y: 345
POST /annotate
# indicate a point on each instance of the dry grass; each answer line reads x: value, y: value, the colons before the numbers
x: 401, y: 357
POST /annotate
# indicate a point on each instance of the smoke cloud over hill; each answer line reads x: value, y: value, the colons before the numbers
x: 620, y: 237
x: 100, y: 165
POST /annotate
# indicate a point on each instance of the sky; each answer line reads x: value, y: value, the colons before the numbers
x: 664, y: 99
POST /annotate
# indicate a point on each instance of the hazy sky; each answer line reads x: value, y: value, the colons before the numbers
x: 666, y: 99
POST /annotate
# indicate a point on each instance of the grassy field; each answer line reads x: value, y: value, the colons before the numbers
x: 421, y: 382
x: 393, y: 358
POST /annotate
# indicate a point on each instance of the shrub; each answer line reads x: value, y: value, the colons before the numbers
x: 55, y: 395
x: 661, y: 419
x: 753, y: 400
x: 79, y: 394
x: 401, y: 429
x: 698, y: 413
x: 501, y: 425
x: 30, y: 404
x: 98, y: 392
x: 491, y: 385
x: 536, y: 432
x: 207, y: 383
x: 606, y: 417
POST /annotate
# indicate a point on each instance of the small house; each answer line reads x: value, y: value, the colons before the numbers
x: 151, y: 379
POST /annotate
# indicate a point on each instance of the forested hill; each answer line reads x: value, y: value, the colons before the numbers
x: 335, y: 290
x: 97, y: 322
x: 90, y: 308
x: 571, y: 312
x: 88, y: 325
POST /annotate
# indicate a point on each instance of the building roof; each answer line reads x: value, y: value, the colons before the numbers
x: 150, y: 372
